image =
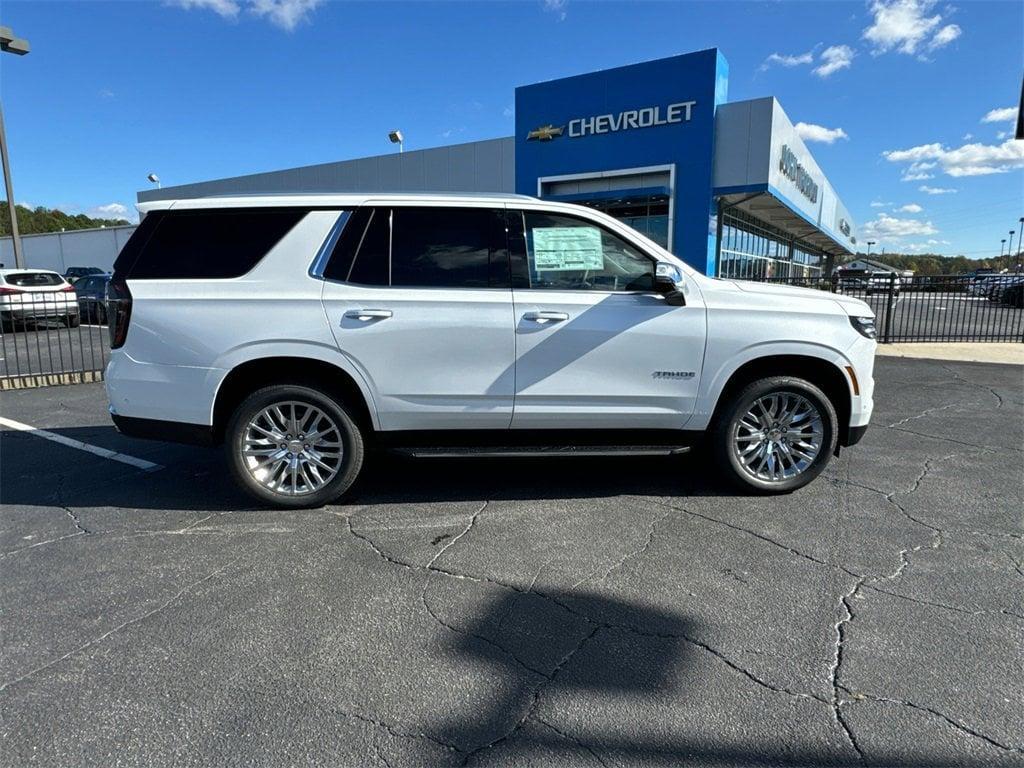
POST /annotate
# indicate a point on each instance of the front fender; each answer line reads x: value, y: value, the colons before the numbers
x: 718, y: 371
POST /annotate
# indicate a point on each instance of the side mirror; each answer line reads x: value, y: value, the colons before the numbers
x: 667, y: 278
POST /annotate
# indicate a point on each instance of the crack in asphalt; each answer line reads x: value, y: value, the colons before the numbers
x: 927, y: 412
x: 639, y: 552
x: 837, y: 663
x: 534, y: 699
x: 123, y: 625
x: 80, y: 530
x: 861, y: 696
x: 569, y: 737
x: 961, y: 378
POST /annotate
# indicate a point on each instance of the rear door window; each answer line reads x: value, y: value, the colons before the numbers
x: 204, y: 244
x: 423, y: 247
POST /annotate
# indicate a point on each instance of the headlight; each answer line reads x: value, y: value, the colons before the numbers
x: 865, y: 326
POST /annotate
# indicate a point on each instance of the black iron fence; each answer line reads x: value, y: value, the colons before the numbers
x: 51, y: 337
x: 933, y: 307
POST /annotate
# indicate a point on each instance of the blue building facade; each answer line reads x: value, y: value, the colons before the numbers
x: 636, y: 141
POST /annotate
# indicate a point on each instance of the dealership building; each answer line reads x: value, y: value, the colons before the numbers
x: 729, y: 187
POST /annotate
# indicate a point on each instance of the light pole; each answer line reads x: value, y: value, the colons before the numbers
x: 154, y: 179
x: 1001, y: 244
x: 870, y: 243
x: 1009, y: 250
x: 1020, y: 236
x: 11, y: 44
x: 396, y: 137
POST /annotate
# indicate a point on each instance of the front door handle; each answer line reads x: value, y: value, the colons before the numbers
x: 546, y: 317
x: 365, y: 315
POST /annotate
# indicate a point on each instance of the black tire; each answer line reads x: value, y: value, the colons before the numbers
x: 73, y: 321
x: 726, y: 426
x: 350, y: 437
x: 100, y: 314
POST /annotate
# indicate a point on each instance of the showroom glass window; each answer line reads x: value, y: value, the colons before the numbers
x: 571, y: 254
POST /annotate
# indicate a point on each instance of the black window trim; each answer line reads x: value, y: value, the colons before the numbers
x: 390, y: 207
x: 521, y: 260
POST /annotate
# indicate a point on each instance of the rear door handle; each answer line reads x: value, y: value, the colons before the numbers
x: 366, y: 315
x: 546, y: 317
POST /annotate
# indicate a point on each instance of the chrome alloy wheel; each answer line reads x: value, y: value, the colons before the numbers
x: 292, y: 448
x: 779, y: 437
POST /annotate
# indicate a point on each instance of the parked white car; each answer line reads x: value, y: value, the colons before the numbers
x: 298, y: 330
x: 36, y: 294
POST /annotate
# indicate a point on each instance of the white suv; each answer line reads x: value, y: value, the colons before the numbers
x: 299, y: 330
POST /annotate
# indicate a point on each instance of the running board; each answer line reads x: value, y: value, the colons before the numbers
x: 526, y: 451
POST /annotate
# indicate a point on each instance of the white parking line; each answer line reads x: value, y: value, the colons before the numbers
x: 106, y: 453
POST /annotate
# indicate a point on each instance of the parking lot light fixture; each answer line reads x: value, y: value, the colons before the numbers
x: 155, y: 179
x: 396, y: 137
x: 19, y: 47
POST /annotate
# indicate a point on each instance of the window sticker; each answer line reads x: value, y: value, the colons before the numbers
x: 564, y: 249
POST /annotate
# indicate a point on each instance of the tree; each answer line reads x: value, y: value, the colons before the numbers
x: 31, y: 222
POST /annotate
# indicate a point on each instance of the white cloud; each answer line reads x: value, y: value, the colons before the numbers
x: 919, y: 171
x: 557, y: 7
x: 910, y: 208
x: 508, y: 112
x: 286, y: 14
x: 886, y: 226
x: 905, y: 26
x: 787, y: 60
x: 936, y: 190
x: 812, y: 132
x: 944, y: 37
x: 227, y: 9
x: 879, y: 204
x: 1004, y: 115
x: 967, y: 137
x: 834, y: 58
x: 106, y: 93
x: 112, y: 211
x: 966, y: 160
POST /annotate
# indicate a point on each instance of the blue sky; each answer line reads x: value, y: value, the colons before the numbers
x: 901, y: 98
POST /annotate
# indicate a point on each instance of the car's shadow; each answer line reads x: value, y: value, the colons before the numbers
x: 37, y: 472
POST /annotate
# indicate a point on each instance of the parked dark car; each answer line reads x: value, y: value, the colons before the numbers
x: 74, y: 274
x: 92, y: 298
x: 1009, y: 291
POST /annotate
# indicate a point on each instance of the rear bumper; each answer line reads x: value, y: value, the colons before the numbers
x: 29, y: 311
x: 167, y: 431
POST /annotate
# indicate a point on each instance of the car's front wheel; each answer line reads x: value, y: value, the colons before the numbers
x: 293, y: 446
x: 776, y: 435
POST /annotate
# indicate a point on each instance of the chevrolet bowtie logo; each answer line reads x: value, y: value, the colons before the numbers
x: 544, y: 133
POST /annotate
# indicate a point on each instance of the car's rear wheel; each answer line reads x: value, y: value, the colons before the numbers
x: 73, y: 321
x: 293, y: 446
x: 776, y: 436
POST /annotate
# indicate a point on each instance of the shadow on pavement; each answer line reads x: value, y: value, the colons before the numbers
x: 593, y: 690
x: 195, y: 478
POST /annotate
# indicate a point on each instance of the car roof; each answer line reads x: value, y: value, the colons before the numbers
x: 331, y: 200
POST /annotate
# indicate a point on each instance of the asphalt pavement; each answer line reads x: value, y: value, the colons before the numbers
x: 573, y: 612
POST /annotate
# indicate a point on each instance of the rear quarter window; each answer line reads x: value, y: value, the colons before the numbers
x: 203, y: 244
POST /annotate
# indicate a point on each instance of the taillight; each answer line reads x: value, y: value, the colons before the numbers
x: 67, y: 289
x: 120, y: 300
x: 5, y: 291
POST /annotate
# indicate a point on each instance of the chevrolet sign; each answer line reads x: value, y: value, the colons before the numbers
x: 647, y: 117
